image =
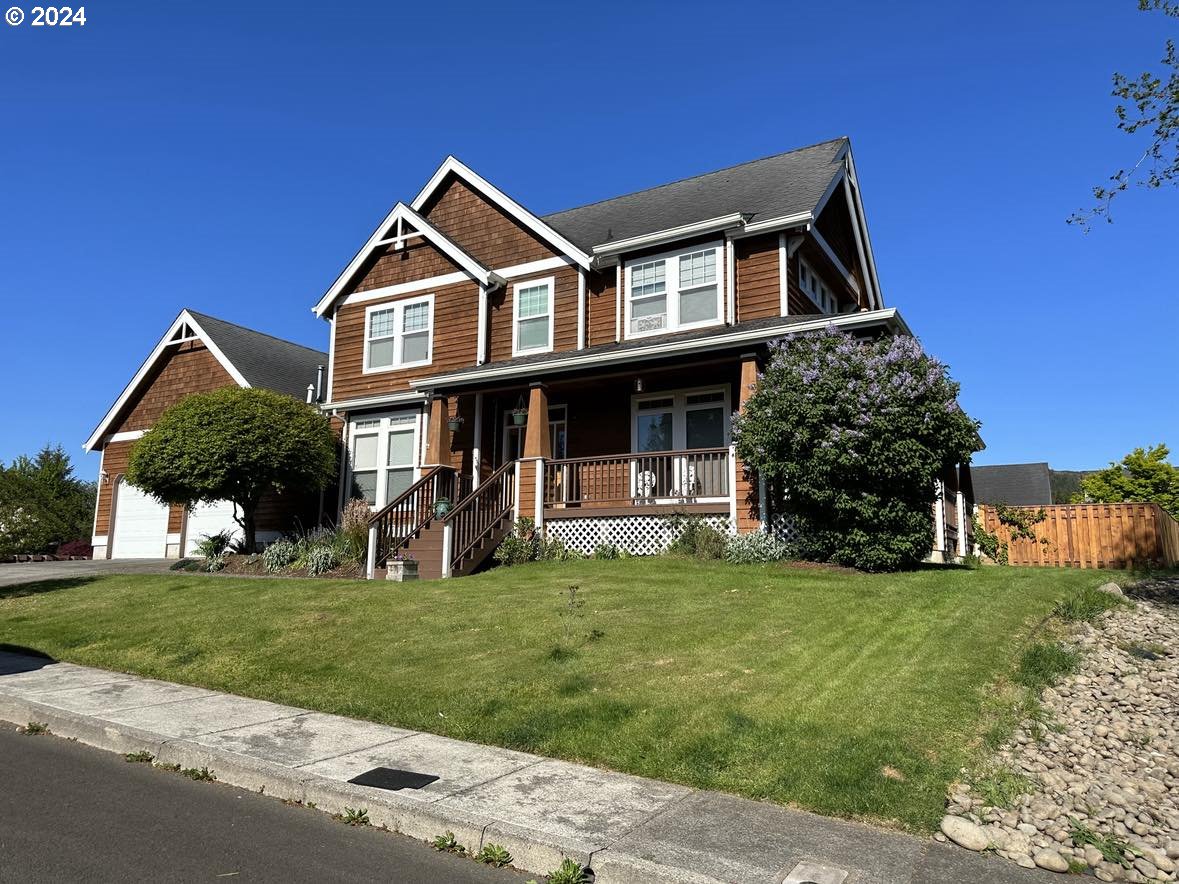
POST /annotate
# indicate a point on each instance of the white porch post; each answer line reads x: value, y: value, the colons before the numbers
x: 732, y: 489
x: 960, y: 505
x: 761, y: 503
x: 939, y: 516
x: 370, y: 568
x: 447, y: 546
x: 516, y: 498
x: 476, y: 448
x: 539, y: 514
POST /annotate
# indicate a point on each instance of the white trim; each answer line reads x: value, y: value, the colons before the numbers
x: 185, y: 318
x: 811, y: 288
x: 679, y: 410
x: 618, y: 303
x: 405, y: 288
x: 730, y: 282
x: 538, y: 507
x: 398, y: 335
x: 727, y: 338
x: 535, y: 267
x: 835, y: 181
x: 501, y: 199
x: 960, y: 506
x: 481, y: 331
x: 476, y: 440
x: 671, y: 234
x: 783, y: 278
x: 581, y: 308
x: 863, y: 247
x: 671, y: 279
x: 762, y: 500
x: 402, y: 213
x: 98, y: 539
x: 516, y: 475
x: 390, y: 399
x: 769, y: 225
x: 127, y: 436
x: 174, y: 537
x: 851, y: 280
x: 551, y: 283
x: 939, y: 515
x: 331, y: 357
x: 387, y: 423
x: 447, y: 545
x: 732, y: 488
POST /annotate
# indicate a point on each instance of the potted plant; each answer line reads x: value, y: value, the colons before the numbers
x: 402, y: 567
x: 455, y: 423
x: 519, y: 416
x: 442, y: 506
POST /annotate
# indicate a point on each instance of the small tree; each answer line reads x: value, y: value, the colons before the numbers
x: 1143, y: 476
x: 234, y: 444
x: 854, y: 434
x: 42, y: 503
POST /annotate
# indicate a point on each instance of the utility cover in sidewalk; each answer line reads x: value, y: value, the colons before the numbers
x: 393, y: 779
x: 812, y: 873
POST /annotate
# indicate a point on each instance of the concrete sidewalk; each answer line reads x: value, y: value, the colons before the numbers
x: 625, y: 828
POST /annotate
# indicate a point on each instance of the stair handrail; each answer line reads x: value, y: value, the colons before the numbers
x: 479, y: 512
x: 405, y: 515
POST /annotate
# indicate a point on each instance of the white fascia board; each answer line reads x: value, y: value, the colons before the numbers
x: 769, y: 225
x: 428, y: 232
x: 853, y: 191
x: 501, y: 199
x: 834, y: 259
x: 373, y: 401
x: 166, y: 341
x: 848, y: 321
x: 671, y: 234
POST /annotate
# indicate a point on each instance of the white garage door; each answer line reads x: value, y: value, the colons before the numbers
x: 209, y: 518
x: 141, y: 525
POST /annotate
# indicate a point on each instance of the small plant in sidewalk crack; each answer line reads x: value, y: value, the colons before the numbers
x: 34, y: 728
x: 174, y: 768
x: 355, y: 816
x: 140, y: 757
x: 569, y: 872
x: 494, y: 855
x: 1112, y: 848
x: 201, y: 775
x: 447, y: 843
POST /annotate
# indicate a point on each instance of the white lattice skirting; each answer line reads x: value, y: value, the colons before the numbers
x: 784, y: 529
x: 638, y: 535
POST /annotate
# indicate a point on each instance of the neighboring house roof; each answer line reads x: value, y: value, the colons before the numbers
x: 779, y: 186
x: 1013, y: 484
x: 251, y: 358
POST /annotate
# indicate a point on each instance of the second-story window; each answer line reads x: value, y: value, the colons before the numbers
x: 815, y: 289
x: 398, y: 335
x: 533, y: 332
x: 671, y: 292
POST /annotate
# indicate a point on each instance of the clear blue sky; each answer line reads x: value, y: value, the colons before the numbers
x: 231, y: 157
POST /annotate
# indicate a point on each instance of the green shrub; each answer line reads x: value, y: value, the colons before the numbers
x: 608, y: 552
x: 354, y: 529
x: 212, y: 546
x: 523, y: 545
x: 279, y: 555
x: 692, y: 535
x: 1087, y: 604
x: 555, y: 550
x: 1043, y: 663
x: 322, y: 558
x: 755, y: 548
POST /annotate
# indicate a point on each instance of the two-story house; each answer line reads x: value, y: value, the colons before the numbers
x: 582, y: 368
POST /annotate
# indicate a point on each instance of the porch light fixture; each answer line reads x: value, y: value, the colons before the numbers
x: 638, y: 385
x: 103, y: 476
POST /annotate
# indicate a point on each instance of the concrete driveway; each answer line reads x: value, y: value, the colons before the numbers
x: 28, y: 572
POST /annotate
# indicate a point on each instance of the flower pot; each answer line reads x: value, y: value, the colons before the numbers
x: 442, y: 506
x: 454, y: 424
x: 519, y: 418
x: 401, y: 570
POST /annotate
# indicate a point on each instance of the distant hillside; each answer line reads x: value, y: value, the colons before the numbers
x: 1066, y: 483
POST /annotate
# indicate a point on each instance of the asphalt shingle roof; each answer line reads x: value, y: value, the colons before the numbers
x: 264, y: 360
x: 772, y: 187
x: 1013, y: 484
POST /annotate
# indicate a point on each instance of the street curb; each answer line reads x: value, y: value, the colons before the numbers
x: 533, y: 851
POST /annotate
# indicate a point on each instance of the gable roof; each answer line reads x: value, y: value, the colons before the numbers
x: 251, y: 358
x: 1013, y: 484
x: 779, y: 186
x: 398, y: 217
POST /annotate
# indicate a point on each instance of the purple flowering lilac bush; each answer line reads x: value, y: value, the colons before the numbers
x: 854, y: 433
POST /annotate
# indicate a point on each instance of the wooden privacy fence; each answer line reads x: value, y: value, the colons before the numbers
x: 1094, y: 535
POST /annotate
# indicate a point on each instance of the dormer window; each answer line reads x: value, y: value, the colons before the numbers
x: 398, y: 335
x: 815, y: 289
x: 673, y: 292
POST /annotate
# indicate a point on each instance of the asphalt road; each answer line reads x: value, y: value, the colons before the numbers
x: 12, y: 573
x: 69, y: 812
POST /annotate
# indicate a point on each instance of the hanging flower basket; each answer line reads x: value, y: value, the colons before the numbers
x: 520, y: 416
x: 455, y: 423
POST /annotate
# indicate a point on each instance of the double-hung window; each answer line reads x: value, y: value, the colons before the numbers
x: 533, y: 316
x: 816, y: 289
x: 384, y: 456
x: 398, y: 335
x: 674, y: 291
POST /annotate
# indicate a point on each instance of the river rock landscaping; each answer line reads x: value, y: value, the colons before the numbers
x: 1092, y: 784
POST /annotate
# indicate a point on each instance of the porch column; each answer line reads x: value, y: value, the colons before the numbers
x: 746, y: 503
x: 438, y: 434
x: 537, y: 447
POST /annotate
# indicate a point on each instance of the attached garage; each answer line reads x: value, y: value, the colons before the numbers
x: 140, y: 529
x: 197, y: 354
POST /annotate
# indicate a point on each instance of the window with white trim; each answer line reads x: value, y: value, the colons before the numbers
x: 398, y: 335
x: 815, y: 289
x: 674, y: 291
x: 384, y: 456
x: 533, y: 316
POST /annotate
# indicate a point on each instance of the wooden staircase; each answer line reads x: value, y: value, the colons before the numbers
x: 459, y: 542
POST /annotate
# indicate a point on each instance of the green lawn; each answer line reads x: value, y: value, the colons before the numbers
x: 798, y: 686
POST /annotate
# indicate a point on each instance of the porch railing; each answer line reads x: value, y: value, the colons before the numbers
x: 480, y: 511
x: 404, y: 516
x: 696, y: 475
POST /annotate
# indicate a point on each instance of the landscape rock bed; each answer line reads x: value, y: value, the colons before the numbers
x: 1103, y: 769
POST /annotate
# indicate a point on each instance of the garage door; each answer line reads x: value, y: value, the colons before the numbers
x: 209, y: 518
x: 141, y: 525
